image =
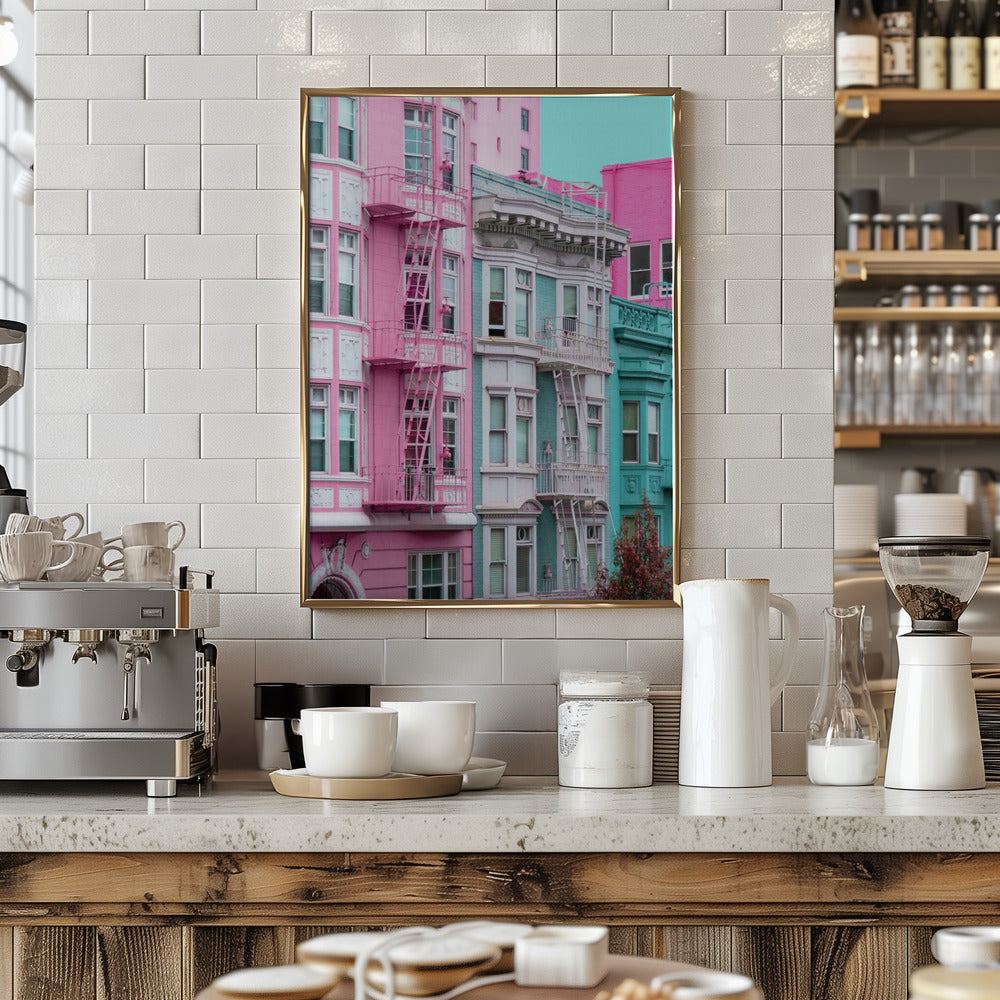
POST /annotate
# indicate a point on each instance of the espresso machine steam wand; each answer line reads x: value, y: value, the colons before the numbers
x: 136, y: 642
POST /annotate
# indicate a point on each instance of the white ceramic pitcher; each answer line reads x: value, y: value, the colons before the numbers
x: 726, y: 688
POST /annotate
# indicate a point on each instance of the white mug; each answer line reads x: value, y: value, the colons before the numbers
x: 18, y: 524
x: 726, y: 688
x: 434, y: 737
x: 108, y: 563
x: 150, y: 533
x: 148, y: 562
x: 57, y: 525
x: 27, y: 555
x: 347, y: 742
x: 81, y: 565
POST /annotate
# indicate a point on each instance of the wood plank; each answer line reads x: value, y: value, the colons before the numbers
x: 7, y: 963
x: 864, y: 963
x: 139, y: 961
x: 54, y: 963
x: 776, y: 958
x: 919, y: 947
x: 709, y: 946
x: 215, y: 951
x: 644, y: 941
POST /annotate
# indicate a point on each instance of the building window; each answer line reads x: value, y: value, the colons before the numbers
x: 653, y: 433
x: 319, y: 268
x: 497, y: 308
x: 638, y: 269
x: 595, y: 309
x: 348, y: 430
x: 524, y: 550
x: 595, y: 548
x: 630, y: 431
x: 522, y: 303
x: 318, y: 107
x: 419, y: 433
x: 525, y: 159
x: 449, y: 150
x: 418, y: 143
x: 475, y: 152
x: 417, y: 308
x: 498, y: 562
x: 449, y: 293
x: 319, y: 428
x: 570, y: 308
x: 571, y: 434
x: 571, y: 560
x: 525, y: 120
x: 432, y: 576
x: 347, y: 274
x: 449, y: 433
x: 524, y: 419
x: 498, y: 430
x: 347, y: 127
x: 667, y: 261
x: 595, y: 413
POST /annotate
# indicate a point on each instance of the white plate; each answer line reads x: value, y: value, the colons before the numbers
x: 284, y: 982
x: 482, y: 772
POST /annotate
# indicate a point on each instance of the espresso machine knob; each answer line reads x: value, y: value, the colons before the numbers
x: 24, y: 659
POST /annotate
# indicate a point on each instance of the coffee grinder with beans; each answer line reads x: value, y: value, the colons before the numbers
x: 934, y: 740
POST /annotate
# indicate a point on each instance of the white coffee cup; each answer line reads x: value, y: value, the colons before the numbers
x: 57, y: 525
x: 347, y: 742
x: 148, y: 562
x: 27, y: 555
x: 81, y: 565
x: 150, y: 533
x: 112, y: 560
x: 20, y: 523
x: 434, y: 737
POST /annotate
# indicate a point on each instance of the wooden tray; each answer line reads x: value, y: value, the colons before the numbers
x: 299, y: 784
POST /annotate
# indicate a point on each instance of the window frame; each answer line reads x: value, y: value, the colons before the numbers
x: 347, y: 130
x: 320, y: 247
x: 344, y: 252
x: 319, y: 403
x: 320, y: 146
x: 450, y: 574
x: 631, y: 433
x: 425, y: 129
x: 633, y: 272
x: 653, y: 415
x: 349, y: 402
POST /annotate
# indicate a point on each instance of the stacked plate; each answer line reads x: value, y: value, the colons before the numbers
x: 666, y: 704
x: 855, y: 520
x: 988, y: 707
x: 930, y: 514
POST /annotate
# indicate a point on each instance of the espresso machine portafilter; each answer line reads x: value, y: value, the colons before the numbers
x: 110, y: 680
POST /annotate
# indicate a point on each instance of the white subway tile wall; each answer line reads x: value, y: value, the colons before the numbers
x: 167, y: 212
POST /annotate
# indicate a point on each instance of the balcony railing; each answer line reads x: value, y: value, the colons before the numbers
x: 408, y: 488
x: 395, y: 191
x: 574, y: 479
x: 567, y: 342
x: 396, y: 344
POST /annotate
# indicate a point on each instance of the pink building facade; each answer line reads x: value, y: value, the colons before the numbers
x: 640, y: 198
x: 390, y: 336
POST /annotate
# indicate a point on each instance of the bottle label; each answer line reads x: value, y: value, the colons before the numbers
x: 991, y: 62
x: 857, y: 61
x: 932, y: 63
x: 965, y: 59
x: 898, y: 63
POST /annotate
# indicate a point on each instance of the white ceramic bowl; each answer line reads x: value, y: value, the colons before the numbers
x: 433, y: 737
x: 967, y: 947
x: 281, y: 982
x: 705, y: 985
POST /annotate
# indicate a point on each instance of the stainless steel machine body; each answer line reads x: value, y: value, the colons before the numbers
x: 108, y: 681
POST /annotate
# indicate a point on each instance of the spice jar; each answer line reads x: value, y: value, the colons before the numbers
x: 907, y: 232
x: 934, y: 297
x: 859, y: 231
x: 980, y: 231
x: 883, y: 237
x: 910, y: 297
x: 959, y: 297
x: 605, y: 729
x: 931, y: 231
x: 986, y: 297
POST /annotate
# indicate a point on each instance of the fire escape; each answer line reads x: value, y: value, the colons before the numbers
x: 415, y: 343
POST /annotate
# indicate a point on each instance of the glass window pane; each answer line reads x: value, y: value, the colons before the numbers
x: 523, y: 569
x: 498, y: 413
x: 630, y: 416
x: 498, y: 544
x: 498, y: 280
x: 523, y: 440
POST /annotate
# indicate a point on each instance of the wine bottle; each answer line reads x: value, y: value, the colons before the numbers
x: 857, y: 48
x: 932, y: 49
x: 897, y: 23
x: 991, y: 46
x: 964, y: 45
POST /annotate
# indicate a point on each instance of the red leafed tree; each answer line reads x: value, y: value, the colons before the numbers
x: 643, y: 569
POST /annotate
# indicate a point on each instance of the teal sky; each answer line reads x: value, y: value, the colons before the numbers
x: 582, y: 134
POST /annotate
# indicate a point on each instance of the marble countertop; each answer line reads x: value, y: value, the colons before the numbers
x: 244, y: 814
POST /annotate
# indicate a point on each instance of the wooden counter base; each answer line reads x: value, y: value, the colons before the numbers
x: 162, y: 926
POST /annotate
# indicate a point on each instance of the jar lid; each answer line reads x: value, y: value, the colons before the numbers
x: 858, y: 217
x: 937, y: 982
x: 979, y: 218
x: 604, y: 683
x: 882, y: 217
x: 932, y: 217
x: 906, y: 217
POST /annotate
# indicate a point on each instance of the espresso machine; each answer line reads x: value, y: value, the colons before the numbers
x: 109, y: 681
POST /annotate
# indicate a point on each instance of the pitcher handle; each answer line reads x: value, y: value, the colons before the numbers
x: 791, y: 641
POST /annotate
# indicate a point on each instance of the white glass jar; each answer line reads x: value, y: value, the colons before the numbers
x: 605, y: 729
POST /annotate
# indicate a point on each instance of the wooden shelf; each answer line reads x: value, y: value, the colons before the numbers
x: 856, y: 108
x: 860, y: 265
x: 871, y: 437
x: 897, y: 314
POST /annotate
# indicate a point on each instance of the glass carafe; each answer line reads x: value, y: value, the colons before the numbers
x: 842, y: 738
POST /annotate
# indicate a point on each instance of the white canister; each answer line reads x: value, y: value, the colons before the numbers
x: 605, y: 729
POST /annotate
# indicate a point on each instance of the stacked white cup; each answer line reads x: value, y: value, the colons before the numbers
x: 147, y: 550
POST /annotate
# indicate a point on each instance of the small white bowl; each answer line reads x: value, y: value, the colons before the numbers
x: 281, y: 982
x: 967, y: 947
x: 555, y: 956
x: 337, y: 951
x: 504, y: 934
x: 705, y: 985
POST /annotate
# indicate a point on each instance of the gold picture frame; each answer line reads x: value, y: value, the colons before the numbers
x: 501, y: 414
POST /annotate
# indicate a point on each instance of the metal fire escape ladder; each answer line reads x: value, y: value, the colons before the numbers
x: 422, y: 381
x: 567, y: 509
